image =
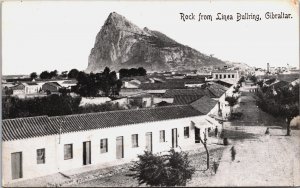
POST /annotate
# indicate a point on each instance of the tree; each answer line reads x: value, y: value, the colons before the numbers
x: 204, y: 143
x: 33, y: 75
x: 45, y: 75
x: 123, y: 73
x: 141, y: 71
x: 73, y: 73
x: 242, y: 79
x: 253, y: 79
x: 231, y: 100
x: 7, y: 91
x: 132, y: 72
x: 64, y: 74
x: 53, y: 74
x: 172, y: 169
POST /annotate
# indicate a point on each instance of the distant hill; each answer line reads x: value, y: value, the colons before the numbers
x: 121, y: 44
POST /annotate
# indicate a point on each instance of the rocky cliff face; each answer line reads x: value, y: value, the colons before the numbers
x: 121, y: 44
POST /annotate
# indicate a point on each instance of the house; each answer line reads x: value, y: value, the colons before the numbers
x: 26, y: 88
x: 51, y: 86
x: 67, y: 83
x: 31, y: 87
x: 39, y: 146
x: 204, y: 104
x: 132, y: 84
x: 225, y: 75
x: 18, y: 89
x: 93, y: 100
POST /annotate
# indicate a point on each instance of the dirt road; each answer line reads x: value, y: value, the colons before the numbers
x: 261, y: 160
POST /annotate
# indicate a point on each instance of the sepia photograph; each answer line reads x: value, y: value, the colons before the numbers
x: 147, y: 93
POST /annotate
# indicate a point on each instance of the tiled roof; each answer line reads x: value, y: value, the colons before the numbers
x: 70, y: 82
x: 20, y: 128
x: 197, y: 91
x: 204, y: 104
x: 164, y: 85
x: 41, y: 126
x: 18, y: 87
x: 31, y: 83
x: 279, y: 84
x: 223, y: 83
x: 55, y: 84
x: 80, y: 122
x: 217, y: 89
x: 185, y: 99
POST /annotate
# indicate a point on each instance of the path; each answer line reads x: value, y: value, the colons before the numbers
x: 261, y: 160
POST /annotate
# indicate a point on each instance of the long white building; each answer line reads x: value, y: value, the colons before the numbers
x: 39, y: 146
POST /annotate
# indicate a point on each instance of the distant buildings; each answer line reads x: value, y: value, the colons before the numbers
x: 225, y: 75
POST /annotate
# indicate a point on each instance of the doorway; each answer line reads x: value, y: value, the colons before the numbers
x: 174, y: 138
x: 16, y: 165
x: 86, y: 153
x: 149, y: 141
x: 197, y: 135
x: 119, y: 147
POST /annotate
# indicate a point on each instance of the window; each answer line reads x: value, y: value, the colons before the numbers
x: 233, y: 76
x: 220, y: 76
x: 162, y: 136
x: 216, y: 76
x: 135, y: 140
x: 68, y: 151
x: 228, y: 75
x: 103, y: 145
x: 186, y: 132
x: 224, y: 75
x: 40, y: 156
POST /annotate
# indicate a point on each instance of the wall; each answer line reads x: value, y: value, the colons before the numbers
x: 93, y: 100
x: 31, y: 89
x: 28, y: 148
x: 55, y: 152
x: 160, y: 99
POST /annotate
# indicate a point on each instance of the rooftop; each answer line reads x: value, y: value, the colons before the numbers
x: 22, y: 128
x: 224, y: 71
x: 204, y: 104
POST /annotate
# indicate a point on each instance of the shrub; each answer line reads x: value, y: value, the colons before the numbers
x: 172, y: 169
x: 231, y: 100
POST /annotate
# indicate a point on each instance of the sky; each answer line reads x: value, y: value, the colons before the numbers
x: 49, y: 35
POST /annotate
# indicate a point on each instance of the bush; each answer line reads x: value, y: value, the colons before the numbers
x: 173, y: 169
x: 231, y: 100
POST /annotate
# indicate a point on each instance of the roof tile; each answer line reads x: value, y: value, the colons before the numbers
x: 20, y: 128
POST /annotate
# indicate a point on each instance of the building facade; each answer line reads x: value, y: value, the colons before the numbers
x: 38, y: 146
x: 225, y: 75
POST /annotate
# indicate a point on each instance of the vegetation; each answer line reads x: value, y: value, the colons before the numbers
x: 231, y: 100
x: 280, y: 102
x: 73, y: 73
x: 242, y: 79
x: 236, y: 89
x: 132, y: 72
x: 49, y: 75
x: 92, y: 85
x: 52, y: 105
x: 253, y: 79
x: 172, y: 169
x: 33, y: 75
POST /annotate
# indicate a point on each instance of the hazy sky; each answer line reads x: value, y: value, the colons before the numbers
x: 39, y: 36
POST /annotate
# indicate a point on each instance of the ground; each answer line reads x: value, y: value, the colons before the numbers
x: 261, y: 160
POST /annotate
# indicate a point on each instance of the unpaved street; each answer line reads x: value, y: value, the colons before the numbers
x: 261, y: 160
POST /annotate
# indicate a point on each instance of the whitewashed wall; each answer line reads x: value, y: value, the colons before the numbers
x: 55, y: 152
